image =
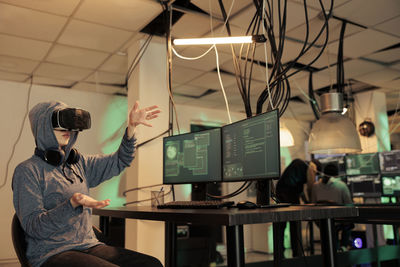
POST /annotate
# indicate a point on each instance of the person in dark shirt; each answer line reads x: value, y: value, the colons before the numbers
x: 289, y: 189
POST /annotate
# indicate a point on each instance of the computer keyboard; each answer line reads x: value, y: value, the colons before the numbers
x: 196, y: 204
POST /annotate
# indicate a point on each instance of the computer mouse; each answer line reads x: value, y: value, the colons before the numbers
x: 246, y: 205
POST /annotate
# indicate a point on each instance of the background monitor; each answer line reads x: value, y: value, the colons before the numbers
x: 389, y: 161
x: 362, y: 164
x: 365, y: 185
x: 391, y: 185
x: 192, y: 157
x: 251, y: 148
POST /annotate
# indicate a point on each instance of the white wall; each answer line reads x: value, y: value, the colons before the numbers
x: 13, y: 98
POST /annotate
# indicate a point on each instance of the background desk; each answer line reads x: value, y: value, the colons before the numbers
x: 234, y: 219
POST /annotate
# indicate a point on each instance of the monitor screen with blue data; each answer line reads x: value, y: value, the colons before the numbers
x: 192, y: 157
x: 251, y: 148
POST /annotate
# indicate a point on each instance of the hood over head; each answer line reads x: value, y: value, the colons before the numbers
x: 42, y: 128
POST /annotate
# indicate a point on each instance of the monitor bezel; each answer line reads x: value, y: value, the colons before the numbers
x: 251, y: 178
x: 195, y: 181
x: 366, y: 194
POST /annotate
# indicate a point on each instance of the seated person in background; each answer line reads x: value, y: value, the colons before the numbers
x: 289, y: 190
x: 330, y: 189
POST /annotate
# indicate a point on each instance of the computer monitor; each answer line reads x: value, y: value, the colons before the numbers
x: 250, y: 148
x: 362, y: 164
x: 192, y: 157
x: 365, y: 185
x: 390, y: 185
x: 389, y: 161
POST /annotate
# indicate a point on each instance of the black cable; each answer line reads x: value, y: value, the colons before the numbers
x: 311, y: 95
x: 240, y: 190
x: 144, y: 200
x: 147, y: 141
x: 20, y: 132
x: 340, y: 66
x: 139, y: 188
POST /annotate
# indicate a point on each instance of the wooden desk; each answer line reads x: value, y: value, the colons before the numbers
x: 234, y: 219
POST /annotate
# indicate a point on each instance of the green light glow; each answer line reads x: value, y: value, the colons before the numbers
x: 112, y: 129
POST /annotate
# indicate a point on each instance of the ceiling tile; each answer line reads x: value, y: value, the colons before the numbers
x: 188, y: 90
x: 316, y: 4
x: 358, y: 67
x: 8, y: 76
x: 206, y: 63
x: 59, y: 7
x: 390, y: 26
x: 107, y: 78
x: 387, y: 56
x: 93, y: 36
x: 125, y: 14
x: 30, y: 23
x: 21, y: 47
x: 368, y: 12
x: 215, y: 8
x: 396, y: 66
x: 98, y: 88
x: 365, y: 42
x: 182, y: 100
x: 13, y: 64
x: 182, y: 75
x: 379, y: 77
x: 258, y: 72
x: 74, y: 56
x: 116, y: 63
x: 52, y: 70
x: 191, y: 26
x: 210, y: 80
x: 52, y: 81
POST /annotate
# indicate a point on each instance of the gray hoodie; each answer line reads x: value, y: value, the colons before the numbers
x: 42, y: 191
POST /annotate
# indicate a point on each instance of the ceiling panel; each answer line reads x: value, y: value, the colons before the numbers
x: 213, y: 7
x: 210, y: 80
x: 93, y: 36
x: 52, y: 81
x: 358, y: 67
x: 183, y: 75
x: 316, y: 4
x: 59, y: 7
x: 13, y: 64
x: 116, y: 63
x: 368, y: 12
x: 52, y: 70
x: 188, y: 90
x: 98, y: 88
x: 21, y: 47
x: 16, y: 77
x: 29, y: 23
x: 391, y: 26
x: 125, y: 14
x: 192, y: 26
x: 74, y: 56
x: 379, y: 77
x: 107, y: 78
x: 387, y: 56
x: 371, y: 41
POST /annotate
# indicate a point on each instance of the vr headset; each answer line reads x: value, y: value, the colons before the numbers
x: 71, y: 119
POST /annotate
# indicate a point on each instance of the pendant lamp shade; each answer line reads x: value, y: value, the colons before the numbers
x: 333, y: 133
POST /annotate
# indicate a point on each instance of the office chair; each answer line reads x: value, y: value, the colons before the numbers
x: 18, y: 238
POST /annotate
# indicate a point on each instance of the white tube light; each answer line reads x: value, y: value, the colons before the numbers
x: 214, y: 41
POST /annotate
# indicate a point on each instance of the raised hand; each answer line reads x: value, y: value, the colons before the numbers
x: 141, y: 116
x: 79, y: 199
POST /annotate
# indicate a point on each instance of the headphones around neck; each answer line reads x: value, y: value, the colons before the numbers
x: 56, y: 157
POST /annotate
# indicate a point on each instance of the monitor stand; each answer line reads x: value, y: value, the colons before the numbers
x: 263, y: 192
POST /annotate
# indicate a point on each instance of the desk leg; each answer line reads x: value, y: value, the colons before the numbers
x: 104, y: 224
x: 170, y: 244
x: 278, y: 229
x: 234, y: 240
x: 328, y: 246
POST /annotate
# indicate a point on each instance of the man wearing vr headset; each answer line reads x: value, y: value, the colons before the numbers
x: 51, y: 189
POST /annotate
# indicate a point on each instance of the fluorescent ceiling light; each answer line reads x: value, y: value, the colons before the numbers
x: 220, y: 40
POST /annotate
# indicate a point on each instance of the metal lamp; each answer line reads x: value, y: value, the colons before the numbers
x: 333, y: 133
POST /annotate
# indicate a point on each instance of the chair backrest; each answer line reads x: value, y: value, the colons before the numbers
x: 19, y: 242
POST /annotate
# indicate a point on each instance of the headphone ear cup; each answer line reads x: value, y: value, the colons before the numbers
x: 54, y: 157
x: 73, y: 157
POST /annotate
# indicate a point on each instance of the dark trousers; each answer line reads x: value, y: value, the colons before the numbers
x: 101, y: 256
x: 288, y: 196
